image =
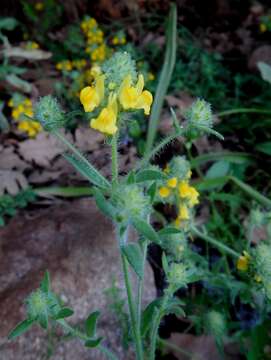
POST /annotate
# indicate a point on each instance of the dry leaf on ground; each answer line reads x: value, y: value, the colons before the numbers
x: 12, y: 182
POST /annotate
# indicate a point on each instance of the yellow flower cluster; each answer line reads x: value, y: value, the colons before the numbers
x: 119, y: 40
x: 31, y: 45
x: 68, y: 65
x: 39, y: 6
x: 24, y: 107
x: 126, y: 97
x: 243, y: 261
x: 95, y: 39
x: 186, y: 196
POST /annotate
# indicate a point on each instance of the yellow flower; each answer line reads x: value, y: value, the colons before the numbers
x: 32, y: 128
x: 263, y: 28
x: 243, y: 262
x: 188, y: 175
x: 184, y: 189
x: 183, y: 213
x: 39, y: 6
x: 172, y: 183
x: 193, y: 197
x: 107, y: 119
x: 133, y: 97
x: 92, y: 96
x: 10, y: 103
x: 95, y: 70
x: 164, y: 191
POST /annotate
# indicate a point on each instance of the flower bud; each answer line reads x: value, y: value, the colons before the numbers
x: 178, y: 275
x: 216, y: 324
x: 49, y: 113
x: 40, y: 305
x: 179, y: 167
x: 130, y: 202
x: 118, y: 67
x: 200, y: 114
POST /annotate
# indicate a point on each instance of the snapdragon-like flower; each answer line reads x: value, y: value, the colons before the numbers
x: 133, y: 97
x: 106, y: 121
x: 116, y: 88
x: 92, y: 96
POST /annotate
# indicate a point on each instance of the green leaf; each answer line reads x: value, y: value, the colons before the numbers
x: 145, y: 229
x: 264, y: 147
x: 174, y: 307
x: 218, y: 169
x: 92, y: 343
x: 20, y: 328
x: 148, y: 315
x: 131, y: 179
x: 104, y: 205
x: 88, y: 171
x: 210, y: 184
x: 263, y: 200
x: 43, y: 320
x: 152, y: 191
x: 231, y: 157
x: 164, y: 79
x: 19, y: 83
x: 165, y: 263
x: 45, y: 283
x: 265, y: 70
x: 150, y: 175
x: 91, y: 323
x: 64, y: 313
x: 169, y: 230
x: 134, y: 256
x: 8, y: 23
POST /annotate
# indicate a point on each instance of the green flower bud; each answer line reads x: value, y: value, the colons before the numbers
x: 49, y: 113
x: 216, y: 324
x: 263, y: 266
x: 117, y: 68
x: 179, y: 167
x: 130, y: 202
x: 42, y: 305
x: 175, y: 245
x: 200, y: 114
x: 178, y: 275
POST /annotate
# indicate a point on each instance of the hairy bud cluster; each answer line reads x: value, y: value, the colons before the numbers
x: 216, y: 324
x: 41, y: 305
x: 49, y: 113
x: 117, y: 68
x: 131, y: 202
x: 200, y: 114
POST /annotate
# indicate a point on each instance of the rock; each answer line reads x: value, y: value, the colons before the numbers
x: 263, y: 54
x: 77, y: 245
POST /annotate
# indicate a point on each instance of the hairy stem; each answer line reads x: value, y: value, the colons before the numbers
x: 141, y: 285
x: 132, y: 310
x: 244, y: 111
x: 222, y: 247
x: 114, y: 155
x: 84, y: 337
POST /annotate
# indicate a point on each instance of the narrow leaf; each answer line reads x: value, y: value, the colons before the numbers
x: 88, y: 171
x: 169, y: 230
x: 45, y: 283
x: 92, y: 343
x: 150, y: 175
x: 152, y: 191
x: 20, y: 328
x: 265, y: 70
x: 264, y: 147
x: 104, y: 205
x: 64, y: 313
x: 148, y: 315
x: 218, y: 169
x: 134, y: 256
x: 131, y: 177
x: 146, y: 230
x: 91, y: 323
x: 165, y: 77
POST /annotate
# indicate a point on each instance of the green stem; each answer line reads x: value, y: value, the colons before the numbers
x: 132, y: 311
x: 141, y: 285
x: 243, y: 111
x: 114, y: 155
x: 177, y: 349
x: 84, y: 338
x: 155, y: 327
x: 222, y: 247
x: 101, y: 180
x: 159, y: 147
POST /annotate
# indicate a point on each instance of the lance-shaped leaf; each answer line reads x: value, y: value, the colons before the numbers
x: 91, y: 323
x: 145, y: 229
x: 104, y: 205
x: 134, y: 256
x: 20, y: 328
x: 150, y: 175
